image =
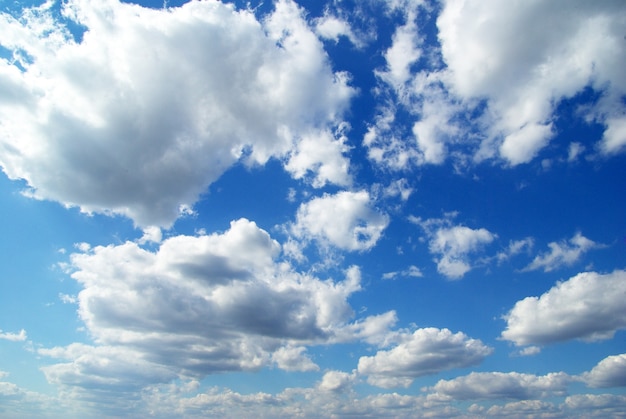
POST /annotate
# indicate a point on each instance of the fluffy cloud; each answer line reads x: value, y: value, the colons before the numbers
x: 610, y: 372
x: 588, y: 306
x: 150, y: 106
x: 453, y: 244
x: 293, y: 359
x: 403, y: 52
x: 490, y: 92
x: 336, y: 381
x: 597, y: 405
x: 346, y: 220
x: 425, y: 351
x: 199, y: 305
x: 500, y: 385
x: 563, y: 253
x: 14, y: 337
x: 333, y: 27
x: 524, y: 58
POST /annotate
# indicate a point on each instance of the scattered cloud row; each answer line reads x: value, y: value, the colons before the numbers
x: 522, y: 394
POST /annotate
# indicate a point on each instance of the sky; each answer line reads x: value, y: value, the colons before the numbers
x: 303, y: 208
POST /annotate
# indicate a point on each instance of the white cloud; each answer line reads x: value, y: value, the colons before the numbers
x: 511, y: 83
x: 424, y: 352
x: 597, y: 405
x: 515, y: 247
x: 524, y: 58
x: 614, y: 138
x: 346, y: 220
x: 563, y: 253
x: 199, y: 305
x: 293, y: 358
x: 386, y: 147
x: 523, y: 409
x: 333, y: 27
x: 336, y: 381
x: 68, y: 299
x: 574, y: 151
x: 500, y: 385
x: 412, y: 271
x: 453, y: 244
x: 402, y: 54
x: 588, y: 306
x: 610, y: 372
x: 14, y: 337
x: 399, y: 188
x: 152, y: 106
x: 333, y: 396
x: 323, y: 155
x: 529, y: 351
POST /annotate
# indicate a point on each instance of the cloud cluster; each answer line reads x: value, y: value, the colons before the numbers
x: 523, y: 59
x: 500, y: 385
x: 492, y: 86
x: 198, y: 305
x: 588, y: 306
x: 139, y: 114
x: 424, y: 352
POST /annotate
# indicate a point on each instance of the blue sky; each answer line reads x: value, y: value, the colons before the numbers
x: 382, y: 208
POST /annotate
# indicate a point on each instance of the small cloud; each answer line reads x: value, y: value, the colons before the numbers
x: 574, y: 151
x: 529, y: 351
x: 515, y: 247
x: 563, y: 253
x: 68, y: 299
x: 294, y: 359
x: 411, y: 271
x: 14, y: 337
x: 453, y: 244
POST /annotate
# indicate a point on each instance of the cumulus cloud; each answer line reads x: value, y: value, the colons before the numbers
x: 563, y: 253
x: 452, y: 244
x: 488, y: 92
x: 597, y: 405
x: 346, y: 220
x: 424, y: 352
x: 293, y: 359
x: 336, y: 381
x: 523, y: 77
x: 149, y: 107
x: 14, y: 337
x: 19, y: 402
x: 588, y: 306
x: 610, y: 372
x: 522, y: 408
x: 199, y: 305
x: 331, y: 397
x: 500, y: 385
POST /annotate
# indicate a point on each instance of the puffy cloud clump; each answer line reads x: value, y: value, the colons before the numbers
x: 144, y: 110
